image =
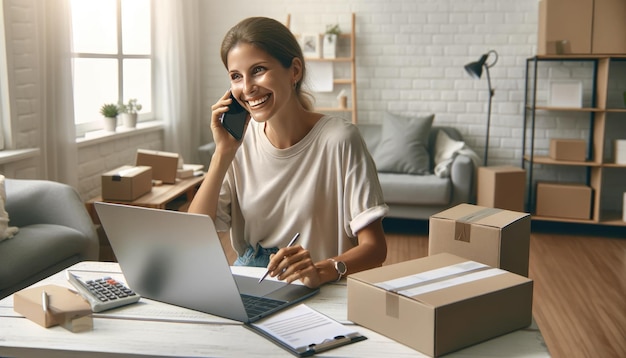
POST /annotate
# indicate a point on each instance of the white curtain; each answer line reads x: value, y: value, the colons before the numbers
x: 178, y: 74
x: 59, y: 135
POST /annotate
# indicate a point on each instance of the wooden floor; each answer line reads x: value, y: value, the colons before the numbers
x: 579, y: 299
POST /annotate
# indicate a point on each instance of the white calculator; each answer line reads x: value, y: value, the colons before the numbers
x: 103, y: 293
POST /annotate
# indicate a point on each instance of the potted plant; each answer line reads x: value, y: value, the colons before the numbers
x: 110, y: 112
x: 129, y: 112
x: 330, y: 40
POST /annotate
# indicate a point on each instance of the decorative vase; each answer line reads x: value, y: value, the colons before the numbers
x: 329, y: 47
x: 110, y: 124
x: 129, y: 120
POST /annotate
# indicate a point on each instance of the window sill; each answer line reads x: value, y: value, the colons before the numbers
x: 14, y: 155
x: 102, y: 136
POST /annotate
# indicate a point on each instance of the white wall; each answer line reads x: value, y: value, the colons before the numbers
x: 410, y: 58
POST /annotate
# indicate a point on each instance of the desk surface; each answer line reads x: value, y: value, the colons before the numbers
x: 153, y: 328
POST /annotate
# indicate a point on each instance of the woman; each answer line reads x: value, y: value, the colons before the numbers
x: 294, y: 171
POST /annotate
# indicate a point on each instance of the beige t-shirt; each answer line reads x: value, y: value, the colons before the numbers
x: 325, y: 187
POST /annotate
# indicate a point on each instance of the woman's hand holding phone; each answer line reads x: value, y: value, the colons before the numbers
x: 222, y: 135
x: 235, y: 119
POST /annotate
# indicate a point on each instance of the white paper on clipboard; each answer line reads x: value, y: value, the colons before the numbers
x: 304, y: 331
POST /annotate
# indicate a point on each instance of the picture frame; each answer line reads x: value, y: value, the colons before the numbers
x: 311, y: 45
x: 566, y: 94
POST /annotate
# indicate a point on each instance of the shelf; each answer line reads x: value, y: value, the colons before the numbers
x: 565, y: 220
x: 550, y: 161
x: 614, y: 165
x: 604, y: 82
x: 566, y: 109
x: 578, y: 57
x: 346, y: 62
x: 584, y: 109
x: 612, y: 219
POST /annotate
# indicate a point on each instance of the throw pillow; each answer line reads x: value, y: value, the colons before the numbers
x: 402, y: 147
x: 6, y: 231
x: 446, y: 149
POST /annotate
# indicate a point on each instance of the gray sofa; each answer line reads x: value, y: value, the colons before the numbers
x: 55, y: 232
x: 412, y: 196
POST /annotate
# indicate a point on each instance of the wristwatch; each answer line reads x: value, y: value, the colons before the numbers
x: 340, y: 266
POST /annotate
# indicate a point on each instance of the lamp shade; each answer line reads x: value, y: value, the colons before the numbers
x: 475, y: 69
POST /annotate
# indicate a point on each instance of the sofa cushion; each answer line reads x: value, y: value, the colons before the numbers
x: 35, y: 248
x: 403, y: 145
x: 445, y: 150
x: 407, y: 189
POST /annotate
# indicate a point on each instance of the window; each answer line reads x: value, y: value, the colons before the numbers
x: 112, y: 57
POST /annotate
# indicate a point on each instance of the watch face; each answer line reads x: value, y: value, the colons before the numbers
x: 341, y: 267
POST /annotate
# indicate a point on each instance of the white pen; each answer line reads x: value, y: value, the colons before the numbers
x: 290, y: 244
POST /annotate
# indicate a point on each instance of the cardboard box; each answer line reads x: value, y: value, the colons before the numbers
x: 495, y: 237
x: 570, y: 201
x: 126, y: 183
x: 62, y: 307
x: 609, y: 27
x: 501, y: 187
x: 164, y: 164
x: 441, y: 303
x: 620, y: 150
x: 567, y: 23
x: 188, y: 170
x: 568, y: 149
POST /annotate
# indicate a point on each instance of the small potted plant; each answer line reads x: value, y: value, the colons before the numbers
x: 330, y: 40
x: 109, y: 111
x: 129, y: 112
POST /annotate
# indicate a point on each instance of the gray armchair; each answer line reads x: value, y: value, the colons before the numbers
x: 55, y: 232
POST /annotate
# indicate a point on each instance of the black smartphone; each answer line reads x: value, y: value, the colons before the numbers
x: 234, y: 121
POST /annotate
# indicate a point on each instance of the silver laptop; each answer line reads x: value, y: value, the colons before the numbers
x: 177, y: 258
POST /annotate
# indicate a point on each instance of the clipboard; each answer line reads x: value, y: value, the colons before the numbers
x: 304, y: 332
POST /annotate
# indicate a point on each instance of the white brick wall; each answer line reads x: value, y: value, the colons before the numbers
x: 410, y: 58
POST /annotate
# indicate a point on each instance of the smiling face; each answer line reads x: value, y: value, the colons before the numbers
x: 261, y: 82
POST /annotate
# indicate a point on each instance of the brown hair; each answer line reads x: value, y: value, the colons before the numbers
x: 275, y: 39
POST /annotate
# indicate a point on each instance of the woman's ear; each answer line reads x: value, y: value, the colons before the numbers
x: 296, y: 66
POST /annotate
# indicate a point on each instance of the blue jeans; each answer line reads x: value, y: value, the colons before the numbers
x: 257, y: 258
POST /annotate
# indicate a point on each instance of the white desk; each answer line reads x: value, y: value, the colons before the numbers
x: 152, y: 328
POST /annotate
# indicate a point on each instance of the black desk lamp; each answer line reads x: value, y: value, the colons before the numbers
x: 475, y: 69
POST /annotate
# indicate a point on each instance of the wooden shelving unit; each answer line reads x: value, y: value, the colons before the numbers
x: 347, y: 60
x: 607, y: 121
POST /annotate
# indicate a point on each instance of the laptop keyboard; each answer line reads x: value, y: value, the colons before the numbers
x: 256, y: 305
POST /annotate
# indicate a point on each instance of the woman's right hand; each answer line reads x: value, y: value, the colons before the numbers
x: 224, y: 142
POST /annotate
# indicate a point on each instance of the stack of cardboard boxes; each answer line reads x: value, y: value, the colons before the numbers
x: 565, y: 200
x: 473, y: 286
x: 128, y: 183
